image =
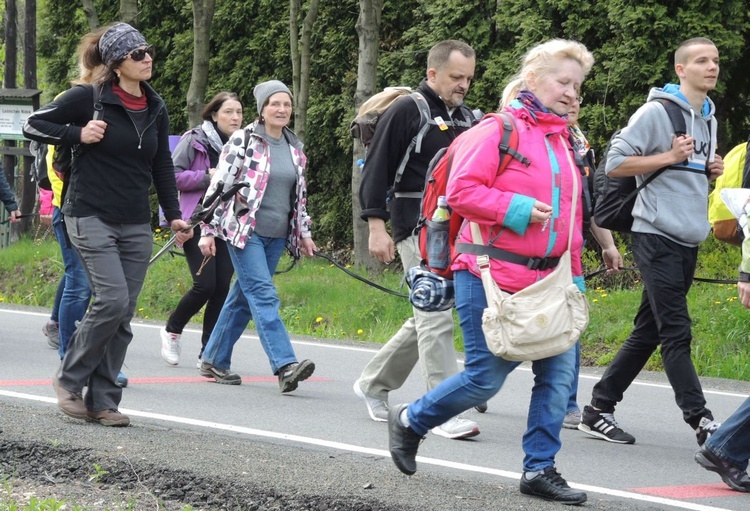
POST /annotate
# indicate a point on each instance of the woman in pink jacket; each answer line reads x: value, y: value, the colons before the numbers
x: 524, y: 211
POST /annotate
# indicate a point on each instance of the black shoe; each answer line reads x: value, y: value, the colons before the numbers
x: 220, y: 375
x: 603, y: 425
x: 705, y: 429
x: 550, y: 485
x: 481, y: 408
x: 291, y: 374
x: 735, y: 478
x: 403, y: 442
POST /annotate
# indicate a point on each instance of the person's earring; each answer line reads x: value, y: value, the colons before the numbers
x: 262, y: 119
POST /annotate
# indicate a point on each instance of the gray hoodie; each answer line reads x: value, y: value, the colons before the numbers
x: 675, y: 204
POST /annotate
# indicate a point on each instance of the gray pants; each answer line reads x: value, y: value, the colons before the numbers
x: 425, y: 337
x: 115, y: 257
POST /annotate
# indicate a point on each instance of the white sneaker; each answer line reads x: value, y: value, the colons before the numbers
x: 170, y: 347
x: 457, y: 428
x: 377, y: 408
x: 198, y: 365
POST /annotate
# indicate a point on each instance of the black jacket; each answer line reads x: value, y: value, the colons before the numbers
x: 111, y: 178
x: 395, y: 130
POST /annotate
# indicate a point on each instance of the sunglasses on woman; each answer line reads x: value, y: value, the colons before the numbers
x: 140, y: 53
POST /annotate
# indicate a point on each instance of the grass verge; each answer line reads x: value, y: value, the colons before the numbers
x: 319, y: 299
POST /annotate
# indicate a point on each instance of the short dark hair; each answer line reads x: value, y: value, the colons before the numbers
x: 216, y: 103
x: 440, y: 54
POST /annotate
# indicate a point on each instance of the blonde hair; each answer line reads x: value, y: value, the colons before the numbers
x: 544, y: 58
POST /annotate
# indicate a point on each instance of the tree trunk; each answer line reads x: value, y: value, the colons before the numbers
x: 300, y: 51
x: 89, y: 9
x: 28, y: 189
x: 9, y: 82
x: 368, y: 29
x: 129, y: 12
x: 203, y: 15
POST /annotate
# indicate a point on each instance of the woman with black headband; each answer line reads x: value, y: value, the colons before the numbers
x: 121, y: 127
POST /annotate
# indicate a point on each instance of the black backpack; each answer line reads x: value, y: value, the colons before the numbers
x: 39, y: 165
x: 615, y: 196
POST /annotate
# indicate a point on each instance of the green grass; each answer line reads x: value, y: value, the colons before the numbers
x: 320, y: 300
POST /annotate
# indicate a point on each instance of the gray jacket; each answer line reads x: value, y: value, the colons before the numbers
x: 675, y: 204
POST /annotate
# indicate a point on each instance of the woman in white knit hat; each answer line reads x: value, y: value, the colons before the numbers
x: 258, y: 223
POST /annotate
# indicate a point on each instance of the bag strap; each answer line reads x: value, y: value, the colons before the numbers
x: 98, y: 107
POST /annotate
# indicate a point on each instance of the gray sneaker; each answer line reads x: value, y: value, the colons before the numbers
x: 377, y: 408
x: 572, y: 419
x: 52, y: 331
x: 220, y: 375
x: 457, y: 428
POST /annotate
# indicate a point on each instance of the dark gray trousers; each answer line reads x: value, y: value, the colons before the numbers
x: 115, y: 257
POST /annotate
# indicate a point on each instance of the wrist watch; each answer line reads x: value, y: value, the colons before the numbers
x: 744, y: 277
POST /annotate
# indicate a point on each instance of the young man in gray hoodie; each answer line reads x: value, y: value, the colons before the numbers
x: 670, y: 219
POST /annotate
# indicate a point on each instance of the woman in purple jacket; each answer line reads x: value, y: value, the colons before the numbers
x: 195, y: 159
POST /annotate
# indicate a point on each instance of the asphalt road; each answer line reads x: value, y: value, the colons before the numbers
x: 319, y: 439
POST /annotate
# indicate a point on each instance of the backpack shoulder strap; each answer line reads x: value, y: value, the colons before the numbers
x: 508, y: 145
x: 675, y: 116
x: 415, y: 145
x: 98, y: 107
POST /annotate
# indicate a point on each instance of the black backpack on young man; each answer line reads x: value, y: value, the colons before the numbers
x: 615, y: 196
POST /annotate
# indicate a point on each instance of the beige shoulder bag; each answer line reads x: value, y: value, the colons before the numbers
x: 543, y: 319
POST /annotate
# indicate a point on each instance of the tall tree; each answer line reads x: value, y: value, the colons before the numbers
x: 27, y: 190
x: 203, y: 15
x: 129, y: 12
x: 368, y: 30
x: 9, y: 82
x: 89, y: 9
x: 300, y: 32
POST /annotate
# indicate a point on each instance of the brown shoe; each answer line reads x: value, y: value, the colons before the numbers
x: 71, y: 403
x: 110, y: 417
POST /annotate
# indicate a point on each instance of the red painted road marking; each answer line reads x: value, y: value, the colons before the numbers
x: 693, y: 491
x: 159, y: 379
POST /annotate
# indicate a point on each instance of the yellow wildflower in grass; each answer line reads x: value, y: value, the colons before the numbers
x: 360, y: 331
x: 140, y: 310
x: 594, y: 300
x: 604, y: 295
x: 158, y: 230
x: 717, y: 302
x: 319, y: 319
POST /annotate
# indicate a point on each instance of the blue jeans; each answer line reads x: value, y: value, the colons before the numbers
x: 252, y: 296
x: 573, y: 398
x: 732, y: 440
x: 484, y: 375
x: 76, y: 292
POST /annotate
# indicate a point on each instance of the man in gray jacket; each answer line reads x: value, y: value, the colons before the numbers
x: 670, y: 219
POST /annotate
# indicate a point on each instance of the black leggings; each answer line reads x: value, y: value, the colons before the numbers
x: 210, y: 288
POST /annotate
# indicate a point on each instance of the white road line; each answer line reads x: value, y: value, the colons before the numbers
x: 376, y: 452
x: 370, y: 350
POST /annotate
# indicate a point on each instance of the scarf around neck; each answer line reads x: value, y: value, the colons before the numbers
x: 214, y: 137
